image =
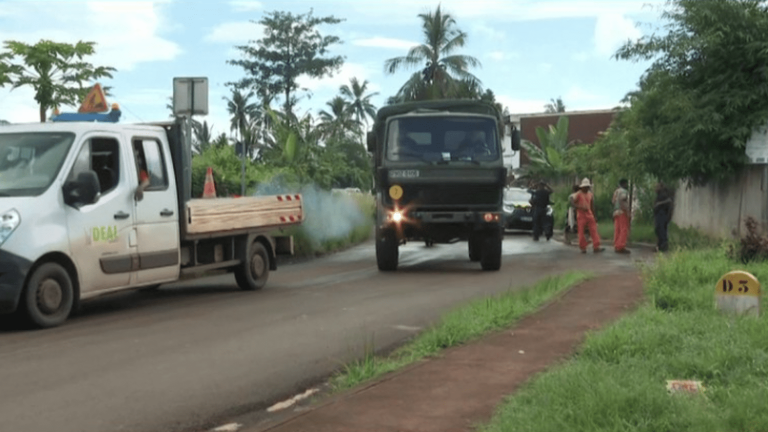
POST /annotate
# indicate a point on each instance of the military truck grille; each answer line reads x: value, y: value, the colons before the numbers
x: 447, y: 195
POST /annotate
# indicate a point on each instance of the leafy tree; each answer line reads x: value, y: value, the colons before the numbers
x: 4, y: 122
x: 6, y: 68
x: 291, y: 47
x: 555, y: 106
x: 56, y: 71
x: 705, y: 92
x: 358, y: 101
x: 337, y: 122
x: 227, y: 171
x: 443, y: 71
x: 549, y: 160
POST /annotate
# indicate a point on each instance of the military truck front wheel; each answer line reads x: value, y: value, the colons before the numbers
x: 387, y: 250
x: 490, y: 259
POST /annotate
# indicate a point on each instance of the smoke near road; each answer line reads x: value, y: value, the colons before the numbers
x: 327, y: 215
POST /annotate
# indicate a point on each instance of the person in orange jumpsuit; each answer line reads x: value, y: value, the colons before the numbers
x: 621, y: 217
x: 584, y: 202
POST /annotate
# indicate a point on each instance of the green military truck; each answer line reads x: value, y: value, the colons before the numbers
x: 440, y: 177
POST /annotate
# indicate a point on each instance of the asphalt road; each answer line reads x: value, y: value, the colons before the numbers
x: 191, y: 353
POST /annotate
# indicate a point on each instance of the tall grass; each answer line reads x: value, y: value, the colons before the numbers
x: 457, y: 327
x: 617, y: 379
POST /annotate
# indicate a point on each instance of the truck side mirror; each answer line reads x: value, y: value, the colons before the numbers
x: 84, y: 190
x: 515, y: 139
x: 371, y: 141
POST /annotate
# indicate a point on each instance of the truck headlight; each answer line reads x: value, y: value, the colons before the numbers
x: 549, y: 211
x: 8, y: 223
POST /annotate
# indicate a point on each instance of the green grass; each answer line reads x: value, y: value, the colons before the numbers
x: 459, y: 326
x: 643, y: 232
x: 616, y: 381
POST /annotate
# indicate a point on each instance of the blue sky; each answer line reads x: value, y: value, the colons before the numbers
x: 530, y: 51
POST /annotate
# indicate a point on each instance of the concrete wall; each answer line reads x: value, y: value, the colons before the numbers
x: 720, y: 209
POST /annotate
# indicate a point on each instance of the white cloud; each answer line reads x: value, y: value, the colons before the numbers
x: 122, y: 43
x: 382, y: 42
x: 235, y: 32
x: 502, y: 55
x: 404, y: 11
x: 348, y: 70
x: 521, y: 106
x: 580, y: 56
x: 545, y: 67
x: 489, y: 31
x: 19, y: 106
x: 245, y: 5
x: 612, y: 31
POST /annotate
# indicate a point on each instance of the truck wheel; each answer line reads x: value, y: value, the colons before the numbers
x: 253, y: 272
x: 475, y: 247
x: 491, y: 254
x: 387, y: 250
x: 48, y: 296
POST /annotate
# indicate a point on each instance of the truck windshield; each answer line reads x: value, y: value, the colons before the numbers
x: 442, y: 139
x: 29, y: 162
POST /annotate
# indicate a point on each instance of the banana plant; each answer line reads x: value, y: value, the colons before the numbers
x: 549, y: 159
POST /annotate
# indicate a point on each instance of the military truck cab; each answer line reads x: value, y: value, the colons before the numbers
x: 440, y: 178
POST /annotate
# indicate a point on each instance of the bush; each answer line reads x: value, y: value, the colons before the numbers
x: 752, y: 247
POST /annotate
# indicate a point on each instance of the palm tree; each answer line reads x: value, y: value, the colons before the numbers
x: 241, y: 109
x: 555, y: 106
x: 443, y: 70
x: 338, y: 121
x: 358, y: 102
x: 203, y: 136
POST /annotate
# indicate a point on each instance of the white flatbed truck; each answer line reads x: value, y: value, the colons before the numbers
x: 77, y: 222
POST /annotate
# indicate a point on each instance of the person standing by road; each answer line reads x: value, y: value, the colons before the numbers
x: 621, y: 217
x: 584, y: 202
x: 662, y: 215
x: 570, y: 216
x: 539, y: 202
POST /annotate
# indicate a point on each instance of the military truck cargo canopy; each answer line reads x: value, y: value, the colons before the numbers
x: 440, y: 105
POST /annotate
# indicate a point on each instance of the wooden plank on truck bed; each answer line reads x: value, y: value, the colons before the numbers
x: 229, y: 214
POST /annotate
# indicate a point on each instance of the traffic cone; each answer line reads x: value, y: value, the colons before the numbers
x: 209, y: 190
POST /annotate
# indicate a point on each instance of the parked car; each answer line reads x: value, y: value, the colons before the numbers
x: 518, y: 214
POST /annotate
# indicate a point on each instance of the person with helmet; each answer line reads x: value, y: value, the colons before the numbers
x: 584, y: 202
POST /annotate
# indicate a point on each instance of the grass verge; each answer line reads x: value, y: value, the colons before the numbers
x: 643, y: 232
x: 617, y: 379
x: 459, y: 326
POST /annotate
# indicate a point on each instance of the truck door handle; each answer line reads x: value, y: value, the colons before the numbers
x: 122, y: 215
x: 166, y: 212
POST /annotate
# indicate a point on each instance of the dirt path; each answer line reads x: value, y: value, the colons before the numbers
x: 463, y: 387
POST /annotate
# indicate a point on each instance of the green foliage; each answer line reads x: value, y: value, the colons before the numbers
x: 705, y: 92
x: 549, y: 160
x: 227, y: 171
x: 290, y: 48
x: 444, y: 73
x: 56, y: 71
x: 555, y: 106
x: 617, y: 379
x: 459, y: 326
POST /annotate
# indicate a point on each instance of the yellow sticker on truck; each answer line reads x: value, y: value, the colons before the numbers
x: 104, y: 233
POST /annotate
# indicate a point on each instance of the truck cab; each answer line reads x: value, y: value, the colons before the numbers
x: 440, y: 178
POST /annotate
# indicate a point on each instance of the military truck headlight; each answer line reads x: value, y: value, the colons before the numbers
x: 8, y: 223
x: 549, y: 211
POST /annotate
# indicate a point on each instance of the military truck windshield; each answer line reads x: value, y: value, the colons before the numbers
x: 29, y: 162
x: 442, y: 139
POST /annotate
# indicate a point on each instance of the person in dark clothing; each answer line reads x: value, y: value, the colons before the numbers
x: 662, y: 215
x: 539, y: 203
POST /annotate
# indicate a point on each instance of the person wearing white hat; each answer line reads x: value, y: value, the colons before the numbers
x: 584, y: 202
